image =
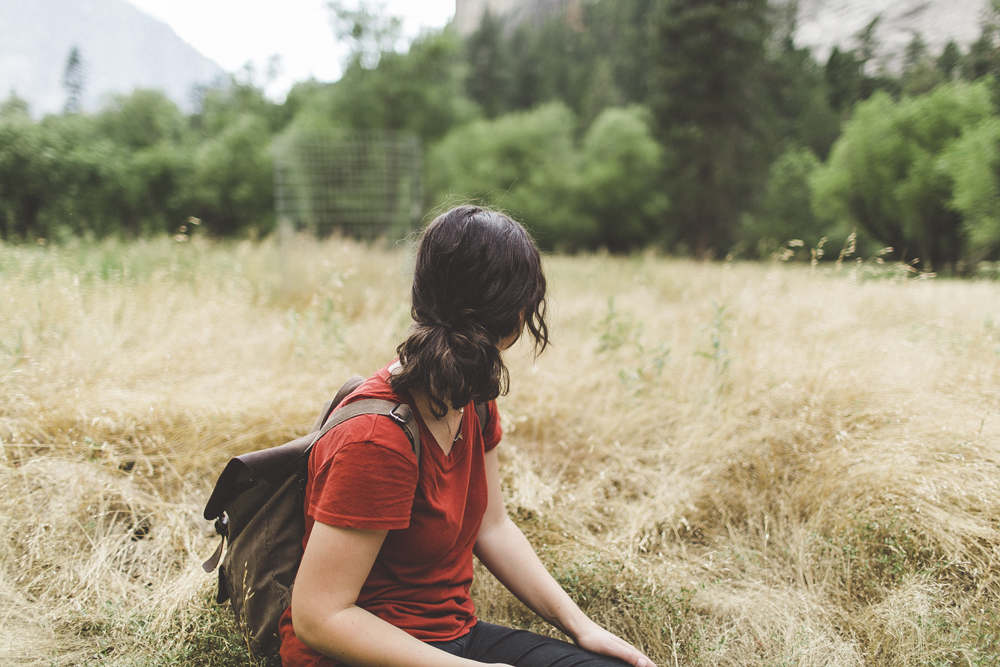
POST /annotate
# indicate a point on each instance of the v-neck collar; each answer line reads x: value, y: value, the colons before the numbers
x: 458, y: 447
x: 428, y: 442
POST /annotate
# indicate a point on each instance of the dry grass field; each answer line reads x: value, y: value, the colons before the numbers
x: 728, y: 464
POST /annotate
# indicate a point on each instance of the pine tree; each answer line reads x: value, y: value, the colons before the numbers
x: 488, y: 79
x: 712, y: 113
x: 73, y: 80
x: 949, y: 60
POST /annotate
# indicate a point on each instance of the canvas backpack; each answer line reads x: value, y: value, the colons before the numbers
x: 257, y: 506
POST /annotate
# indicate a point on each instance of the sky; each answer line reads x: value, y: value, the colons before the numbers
x: 235, y: 32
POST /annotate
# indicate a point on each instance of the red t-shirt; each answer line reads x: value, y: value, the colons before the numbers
x: 363, y: 474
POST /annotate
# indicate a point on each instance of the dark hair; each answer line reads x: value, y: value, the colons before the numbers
x: 478, y: 280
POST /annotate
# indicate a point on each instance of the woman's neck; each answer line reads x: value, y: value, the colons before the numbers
x: 446, y: 429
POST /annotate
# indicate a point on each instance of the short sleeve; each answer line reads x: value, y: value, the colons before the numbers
x: 364, y: 485
x: 492, y: 432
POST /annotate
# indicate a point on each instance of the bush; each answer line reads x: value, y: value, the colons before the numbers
x: 231, y: 186
x: 602, y: 193
x: 23, y: 172
x: 618, y: 186
x: 522, y: 162
x: 886, y: 173
x: 973, y: 161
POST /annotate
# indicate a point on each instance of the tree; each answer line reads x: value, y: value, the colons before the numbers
x: 852, y: 75
x: 886, y: 173
x: 243, y: 93
x: 799, y: 99
x: 231, y: 183
x: 488, y: 80
x: 915, y: 54
x: 24, y: 176
x: 844, y: 74
x: 983, y: 57
x: 948, y: 63
x: 369, y: 30
x: 142, y: 119
x: 708, y: 107
x: 786, y: 210
x: 920, y: 75
x: 868, y: 43
x: 973, y: 162
x: 73, y: 81
x: 620, y: 163
x: 419, y: 91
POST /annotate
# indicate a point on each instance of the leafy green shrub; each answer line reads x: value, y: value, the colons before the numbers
x: 786, y: 211
x: 231, y: 185
x: 619, y: 180
x: 885, y: 173
x: 601, y: 193
x: 973, y: 161
x: 522, y: 162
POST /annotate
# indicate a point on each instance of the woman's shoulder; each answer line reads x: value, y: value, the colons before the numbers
x: 367, y: 434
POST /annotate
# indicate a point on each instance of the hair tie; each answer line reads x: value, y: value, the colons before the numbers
x: 443, y: 325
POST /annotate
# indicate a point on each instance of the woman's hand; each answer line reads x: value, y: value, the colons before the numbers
x: 595, y: 638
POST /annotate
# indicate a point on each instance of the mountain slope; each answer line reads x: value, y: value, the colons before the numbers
x: 821, y: 25
x: 121, y: 49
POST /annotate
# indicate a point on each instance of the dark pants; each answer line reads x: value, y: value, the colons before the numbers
x: 486, y: 642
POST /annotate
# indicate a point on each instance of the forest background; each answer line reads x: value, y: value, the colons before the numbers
x: 696, y: 127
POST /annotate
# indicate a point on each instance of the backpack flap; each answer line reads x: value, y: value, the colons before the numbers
x: 243, y: 471
x: 238, y: 495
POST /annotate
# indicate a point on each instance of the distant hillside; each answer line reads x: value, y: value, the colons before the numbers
x: 822, y: 24
x: 469, y: 13
x: 121, y: 48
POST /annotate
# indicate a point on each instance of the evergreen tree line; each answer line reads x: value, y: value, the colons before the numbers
x: 698, y: 126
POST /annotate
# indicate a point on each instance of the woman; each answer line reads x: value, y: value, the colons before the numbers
x: 387, y: 567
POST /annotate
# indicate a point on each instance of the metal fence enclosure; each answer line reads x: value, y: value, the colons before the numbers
x: 364, y: 184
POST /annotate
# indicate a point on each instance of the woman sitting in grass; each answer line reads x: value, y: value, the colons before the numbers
x: 387, y: 568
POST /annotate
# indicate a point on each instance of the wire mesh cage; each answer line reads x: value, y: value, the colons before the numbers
x: 364, y: 184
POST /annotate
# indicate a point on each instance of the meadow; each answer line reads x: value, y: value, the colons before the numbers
x: 727, y: 463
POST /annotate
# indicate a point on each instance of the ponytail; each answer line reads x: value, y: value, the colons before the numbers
x: 478, y: 282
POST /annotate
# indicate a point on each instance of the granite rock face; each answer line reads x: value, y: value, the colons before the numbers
x: 469, y: 13
x: 821, y: 24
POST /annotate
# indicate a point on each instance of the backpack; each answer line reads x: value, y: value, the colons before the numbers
x: 257, y: 505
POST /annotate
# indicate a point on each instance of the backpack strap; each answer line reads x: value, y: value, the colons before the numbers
x: 483, y: 412
x: 398, y: 412
x: 345, y: 390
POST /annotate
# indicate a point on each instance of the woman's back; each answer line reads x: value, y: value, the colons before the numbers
x: 364, y: 474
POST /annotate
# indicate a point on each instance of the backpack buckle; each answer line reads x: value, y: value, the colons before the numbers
x: 401, y: 414
x: 222, y: 525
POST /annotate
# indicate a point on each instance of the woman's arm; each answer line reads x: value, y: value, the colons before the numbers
x: 334, y: 566
x: 506, y: 552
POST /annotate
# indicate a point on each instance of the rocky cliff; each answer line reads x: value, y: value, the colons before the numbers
x: 821, y: 24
